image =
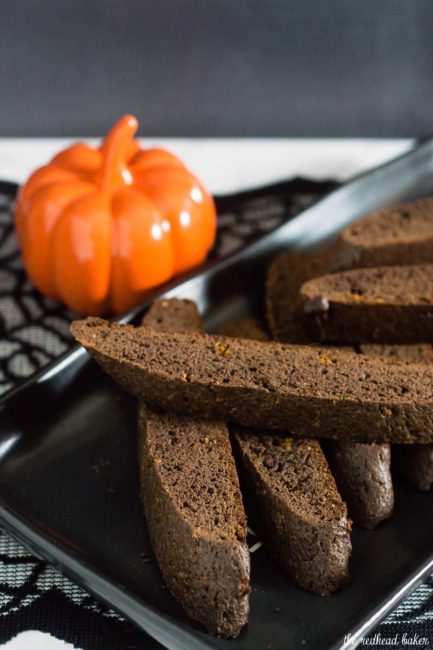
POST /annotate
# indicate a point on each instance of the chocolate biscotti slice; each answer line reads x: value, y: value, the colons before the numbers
x: 286, y: 274
x: 292, y: 500
x: 389, y: 304
x: 402, y: 234
x: 173, y: 315
x: 307, y: 390
x: 363, y: 475
x: 192, y: 502
x: 415, y: 462
x: 293, y: 503
x: 195, y: 517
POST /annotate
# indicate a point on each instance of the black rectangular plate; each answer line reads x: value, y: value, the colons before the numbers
x: 69, y: 485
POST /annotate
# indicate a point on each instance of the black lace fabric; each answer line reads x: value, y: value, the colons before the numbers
x: 34, y: 331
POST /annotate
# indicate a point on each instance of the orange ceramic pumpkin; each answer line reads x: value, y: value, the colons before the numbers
x: 99, y: 227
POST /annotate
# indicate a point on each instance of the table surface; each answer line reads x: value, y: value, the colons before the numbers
x: 225, y: 165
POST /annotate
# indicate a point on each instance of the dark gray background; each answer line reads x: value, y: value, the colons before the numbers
x: 217, y: 67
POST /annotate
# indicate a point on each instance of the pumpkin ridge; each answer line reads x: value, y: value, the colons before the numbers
x: 63, y: 256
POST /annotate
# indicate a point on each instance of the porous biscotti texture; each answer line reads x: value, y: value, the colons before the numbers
x: 307, y: 390
x: 292, y: 501
x: 195, y: 516
x: 192, y: 502
x: 415, y: 462
x: 363, y: 475
x: 389, y: 304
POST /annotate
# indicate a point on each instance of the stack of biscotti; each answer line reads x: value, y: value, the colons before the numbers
x: 400, y: 235
x: 188, y: 384
x: 291, y: 497
x: 191, y: 498
x: 379, y: 273
x: 356, y: 386
x: 292, y: 500
x: 363, y: 470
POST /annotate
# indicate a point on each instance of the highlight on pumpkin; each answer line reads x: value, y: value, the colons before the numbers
x: 99, y: 227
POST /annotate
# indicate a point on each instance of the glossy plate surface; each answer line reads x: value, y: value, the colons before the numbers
x: 69, y: 484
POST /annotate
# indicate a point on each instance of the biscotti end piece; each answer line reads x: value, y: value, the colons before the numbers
x: 416, y: 352
x: 173, y: 315
x: 309, y: 391
x: 294, y: 504
x: 288, y: 271
x: 192, y: 501
x: 415, y: 464
x: 191, y: 497
x: 363, y: 475
x: 389, y: 304
x: 244, y: 328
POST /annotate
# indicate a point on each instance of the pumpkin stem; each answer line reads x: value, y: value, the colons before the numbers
x: 114, y: 152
